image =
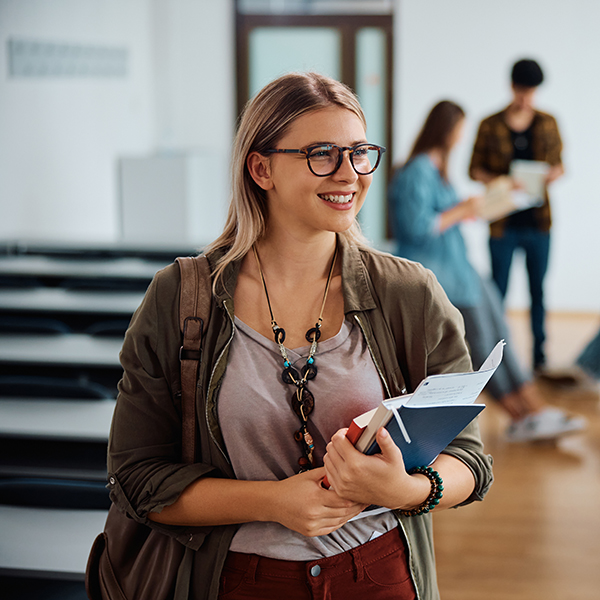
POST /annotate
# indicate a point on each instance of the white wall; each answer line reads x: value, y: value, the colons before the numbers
x: 194, y: 50
x: 463, y: 50
x: 60, y: 137
x: 195, y: 81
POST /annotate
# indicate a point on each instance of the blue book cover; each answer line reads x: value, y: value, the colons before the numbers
x: 428, y: 430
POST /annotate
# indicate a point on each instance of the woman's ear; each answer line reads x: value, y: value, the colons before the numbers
x: 259, y: 167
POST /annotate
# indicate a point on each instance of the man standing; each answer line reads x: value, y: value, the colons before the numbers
x: 520, y: 132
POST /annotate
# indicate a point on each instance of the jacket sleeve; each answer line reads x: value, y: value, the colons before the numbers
x: 554, y: 143
x: 480, y: 150
x: 144, y: 458
x: 447, y: 352
x: 411, y: 194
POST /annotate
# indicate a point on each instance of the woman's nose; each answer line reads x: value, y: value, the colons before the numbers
x: 346, y: 171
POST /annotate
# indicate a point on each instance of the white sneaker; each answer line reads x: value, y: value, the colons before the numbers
x: 547, y: 424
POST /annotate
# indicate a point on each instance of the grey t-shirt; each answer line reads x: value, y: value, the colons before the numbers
x: 258, y: 426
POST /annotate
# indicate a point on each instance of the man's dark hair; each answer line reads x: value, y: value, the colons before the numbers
x: 527, y: 73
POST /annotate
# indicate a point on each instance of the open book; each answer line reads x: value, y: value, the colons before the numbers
x: 423, y: 423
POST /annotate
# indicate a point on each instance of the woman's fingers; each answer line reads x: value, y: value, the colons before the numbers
x: 379, y: 479
x: 332, y: 521
x: 304, y: 506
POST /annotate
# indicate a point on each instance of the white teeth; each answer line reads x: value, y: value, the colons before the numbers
x: 336, y: 199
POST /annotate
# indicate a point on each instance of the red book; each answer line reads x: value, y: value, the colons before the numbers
x: 421, y: 432
x: 429, y: 419
x: 354, y: 433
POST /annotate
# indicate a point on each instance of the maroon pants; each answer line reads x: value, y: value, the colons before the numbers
x: 377, y: 570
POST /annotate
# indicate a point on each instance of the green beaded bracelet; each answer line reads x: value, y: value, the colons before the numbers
x: 435, y: 495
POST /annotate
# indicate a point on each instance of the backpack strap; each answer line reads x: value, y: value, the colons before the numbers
x: 194, y: 313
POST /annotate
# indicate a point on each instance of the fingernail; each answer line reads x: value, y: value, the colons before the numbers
x: 384, y: 432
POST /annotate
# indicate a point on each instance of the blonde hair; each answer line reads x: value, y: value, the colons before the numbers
x: 265, y: 120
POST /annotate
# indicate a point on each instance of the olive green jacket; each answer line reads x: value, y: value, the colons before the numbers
x: 411, y: 329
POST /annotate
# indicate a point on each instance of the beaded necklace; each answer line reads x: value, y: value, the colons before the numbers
x: 303, y: 402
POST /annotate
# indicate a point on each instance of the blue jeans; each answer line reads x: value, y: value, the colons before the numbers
x: 536, y: 245
x: 485, y: 326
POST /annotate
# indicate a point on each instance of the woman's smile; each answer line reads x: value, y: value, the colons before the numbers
x: 340, y: 200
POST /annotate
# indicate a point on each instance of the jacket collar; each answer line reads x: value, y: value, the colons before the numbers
x: 502, y: 114
x: 355, y: 282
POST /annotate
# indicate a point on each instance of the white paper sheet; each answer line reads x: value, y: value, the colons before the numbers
x: 532, y: 174
x: 457, y: 388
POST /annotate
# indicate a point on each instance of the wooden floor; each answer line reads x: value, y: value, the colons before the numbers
x: 537, y: 534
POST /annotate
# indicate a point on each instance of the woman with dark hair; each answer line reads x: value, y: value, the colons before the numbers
x: 426, y: 213
x: 309, y: 328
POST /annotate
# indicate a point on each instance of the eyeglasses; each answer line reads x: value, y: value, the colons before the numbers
x: 326, y: 159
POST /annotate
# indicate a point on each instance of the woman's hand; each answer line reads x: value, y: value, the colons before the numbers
x: 517, y: 185
x: 303, y: 505
x: 471, y: 207
x: 300, y: 502
x: 467, y: 209
x: 379, y: 479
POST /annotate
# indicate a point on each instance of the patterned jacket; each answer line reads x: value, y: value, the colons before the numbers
x: 493, y: 152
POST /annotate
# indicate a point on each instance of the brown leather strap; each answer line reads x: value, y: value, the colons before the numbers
x: 194, y: 313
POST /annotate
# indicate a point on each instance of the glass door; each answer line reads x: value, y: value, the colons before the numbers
x: 371, y: 81
x: 274, y: 51
x: 355, y: 49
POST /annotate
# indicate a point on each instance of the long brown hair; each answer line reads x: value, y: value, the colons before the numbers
x: 264, y: 121
x: 436, y: 131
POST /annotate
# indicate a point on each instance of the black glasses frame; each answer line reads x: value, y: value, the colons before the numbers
x: 352, y: 149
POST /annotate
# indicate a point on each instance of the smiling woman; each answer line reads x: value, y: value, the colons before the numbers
x: 323, y: 329
x: 299, y: 203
